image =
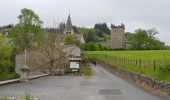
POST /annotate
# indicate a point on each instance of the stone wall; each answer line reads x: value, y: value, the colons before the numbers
x: 146, y: 82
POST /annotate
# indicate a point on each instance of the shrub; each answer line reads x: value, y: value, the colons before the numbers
x: 87, y: 71
x: 4, y: 98
x: 27, y: 97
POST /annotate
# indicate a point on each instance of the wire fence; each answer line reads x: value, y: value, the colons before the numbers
x: 133, y: 62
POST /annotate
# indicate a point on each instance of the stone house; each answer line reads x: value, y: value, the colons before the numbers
x: 38, y: 61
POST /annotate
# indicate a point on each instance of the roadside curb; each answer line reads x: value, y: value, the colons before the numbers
x: 18, y: 80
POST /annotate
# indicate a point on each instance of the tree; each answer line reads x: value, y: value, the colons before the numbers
x: 89, y: 34
x: 28, y: 30
x: 91, y: 46
x: 129, y: 36
x: 151, y: 38
x: 103, y: 28
x: 69, y: 39
x: 140, y: 39
x: 145, y: 39
x: 51, y: 57
x: 75, y: 29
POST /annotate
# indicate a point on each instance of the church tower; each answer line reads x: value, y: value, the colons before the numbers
x: 118, y: 36
x: 68, y: 28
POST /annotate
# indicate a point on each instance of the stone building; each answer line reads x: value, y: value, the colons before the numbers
x: 118, y: 36
x: 69, y: 30
x: 38, y: 61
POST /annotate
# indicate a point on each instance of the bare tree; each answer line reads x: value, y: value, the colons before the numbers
x: 52, y: 57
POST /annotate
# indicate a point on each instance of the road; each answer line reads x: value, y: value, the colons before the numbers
x: 101, y: 86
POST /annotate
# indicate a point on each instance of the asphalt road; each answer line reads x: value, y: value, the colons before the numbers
x: 101, y: 86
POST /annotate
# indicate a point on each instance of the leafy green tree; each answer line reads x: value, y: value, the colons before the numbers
x: 129, y: 36
x: 152, y: 41
x: 145, y: 39
x: 90, y: 37
x: 91, y: 46
x: 90, y: 34
x: 140, y: 39
x: 69, y: 39
x: 28, y: 30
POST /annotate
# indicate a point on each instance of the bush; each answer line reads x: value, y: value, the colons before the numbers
x: 6, y: 66
x: 7, y: 76
x: 4, y: 98
x: 87, y: 71
x: 91, y: 46
x: 27, y: 97
x: 69, y: 39
x: 7, y: 69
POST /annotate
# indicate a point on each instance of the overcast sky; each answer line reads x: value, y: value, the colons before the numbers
x: 85, y: 13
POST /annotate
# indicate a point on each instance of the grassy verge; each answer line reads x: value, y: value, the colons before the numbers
x: 7, y: 76
x: 109, y: 57
x: 87, y: 71
x: 26, y: 97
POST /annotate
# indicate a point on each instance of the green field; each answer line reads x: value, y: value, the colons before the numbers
x: 154, y: 63
x: 144, y: 55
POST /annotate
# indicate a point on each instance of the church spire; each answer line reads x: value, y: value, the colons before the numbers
x: 69, y: 23
x: 68, y: 27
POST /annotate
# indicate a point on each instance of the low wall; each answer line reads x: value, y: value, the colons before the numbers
x: 18, y: 80
x: 146, y: 82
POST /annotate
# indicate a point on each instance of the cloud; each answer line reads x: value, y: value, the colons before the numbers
x: 134, y: 13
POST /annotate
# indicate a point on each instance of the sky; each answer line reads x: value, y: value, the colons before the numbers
x: 134, y: 14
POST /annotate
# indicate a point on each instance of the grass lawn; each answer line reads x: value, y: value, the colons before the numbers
x: 144, y: 55
x: 148, y: 63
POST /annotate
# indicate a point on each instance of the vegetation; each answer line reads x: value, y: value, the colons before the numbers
x: 141, y: 39
x: 28, y: 31
x: 28, y: 36
x: 143, y: 55
x: 103, y: 28
x: 91, y: 46
x: 26, y: 97
x: 145, y: 40
x: 69, y: 39
x: 89, y: 34
x: 24, y: 35
x: 7, y: 70
x: 87, y: 71
x: 150, y: 63
x: 4, y: 98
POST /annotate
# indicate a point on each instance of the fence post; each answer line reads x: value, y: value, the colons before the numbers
x: 131, y: 62
x: 154, y: 64
x: 140, y: 63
